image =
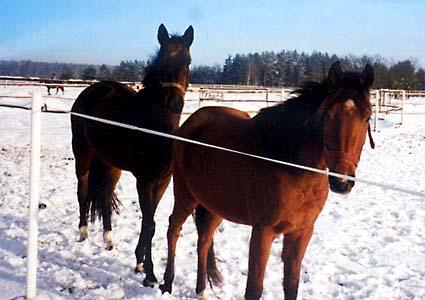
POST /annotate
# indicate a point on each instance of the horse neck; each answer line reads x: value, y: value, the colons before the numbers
x: 310, y: 152
x: 293, y: 141
x: 155, y: 74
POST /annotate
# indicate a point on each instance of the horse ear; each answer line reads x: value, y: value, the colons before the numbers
x: 188, y: 36
x: 335, y: 73
x: 163, y: 36
x: 368, y: 76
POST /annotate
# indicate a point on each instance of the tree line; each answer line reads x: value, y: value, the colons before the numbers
x: 125, y: 71
x: 291, y: 69
x: 284, y: 68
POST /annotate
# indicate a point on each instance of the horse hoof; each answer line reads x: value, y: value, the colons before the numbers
x: 139, y: 269
x: 84, y: 233
x: 148, y: 283
x: 165, y: 288
x: 107, y: 237
x: 215, y: 277
x: 200, y: 292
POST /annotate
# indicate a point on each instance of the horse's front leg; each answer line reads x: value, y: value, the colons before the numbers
x: 149, y: 195
x: 259, y: 251
x: 176, y: 220
x: 294, y: 246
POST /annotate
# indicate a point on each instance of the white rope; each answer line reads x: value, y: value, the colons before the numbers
x: 182, y: 139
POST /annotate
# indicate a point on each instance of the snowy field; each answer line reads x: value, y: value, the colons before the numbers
x: 367, y: 245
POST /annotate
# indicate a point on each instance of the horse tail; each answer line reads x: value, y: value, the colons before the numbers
x: 101, y: 198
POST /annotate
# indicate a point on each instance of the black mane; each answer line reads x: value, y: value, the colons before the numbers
x: 284, y: 125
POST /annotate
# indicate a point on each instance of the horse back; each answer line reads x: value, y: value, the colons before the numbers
x: 99, y: 94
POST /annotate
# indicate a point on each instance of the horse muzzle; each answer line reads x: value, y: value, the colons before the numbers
x: 340, y: 185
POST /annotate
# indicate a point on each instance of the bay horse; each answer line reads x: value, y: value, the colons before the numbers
x: 102, y: 151
x: 325, y: 126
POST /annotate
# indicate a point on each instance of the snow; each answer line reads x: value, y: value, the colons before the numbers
x: 367, y: 245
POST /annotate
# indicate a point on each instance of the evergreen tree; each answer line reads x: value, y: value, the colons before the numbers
x: 89, y: 73
x: 129, y: 71
x: 403, y: 75
x: 66, y: 73
x: 103, y: 73
x: 420, y: 79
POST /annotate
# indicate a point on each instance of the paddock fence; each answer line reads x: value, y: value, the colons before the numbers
x: 37, y: 104
x: 247, y: 98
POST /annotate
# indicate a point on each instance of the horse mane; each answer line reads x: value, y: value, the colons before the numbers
x: 285, y: 125
x: 161, y: 64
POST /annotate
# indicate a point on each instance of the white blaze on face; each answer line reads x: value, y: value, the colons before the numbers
x: 350, y: 105
x: 173, y: 54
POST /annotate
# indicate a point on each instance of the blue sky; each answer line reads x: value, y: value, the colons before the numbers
x: 104, y: 31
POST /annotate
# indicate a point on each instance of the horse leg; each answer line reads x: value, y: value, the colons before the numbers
x: 184, y: 204
x: 294, y: 246
x: 176, y: 220
x: 83, y: 156
x: 206, y: 224
x: 259, y: 251
x: 82, y: 191
x: 213, y: 273
x: 111, y: 179
x: 102, y: 181
x: 150, y: 192
x: 158, y: 191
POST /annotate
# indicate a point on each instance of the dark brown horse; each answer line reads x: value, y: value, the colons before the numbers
x: 58, y: 87
x: 102, y: 151
x: 324, y: 127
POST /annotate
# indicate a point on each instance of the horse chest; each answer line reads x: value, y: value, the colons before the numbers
x: 300, y: 203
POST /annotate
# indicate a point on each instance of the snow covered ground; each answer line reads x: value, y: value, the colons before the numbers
x: 367, y: 245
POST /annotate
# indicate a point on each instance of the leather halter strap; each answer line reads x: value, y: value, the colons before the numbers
x: 175, y: 85
x: 341, y: 155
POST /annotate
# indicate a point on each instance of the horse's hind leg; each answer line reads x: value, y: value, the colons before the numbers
x: 150, y: 193
x: 83, y: 158
x: 112, y: 180
x: 294, y: 246
x: 206, y: 224
x: 102, y: 181
x: 213, y: 273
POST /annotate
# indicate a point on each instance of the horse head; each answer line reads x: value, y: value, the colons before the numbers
x: 345, y: 115
x: 174, y: 56
x: 169, y: 70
